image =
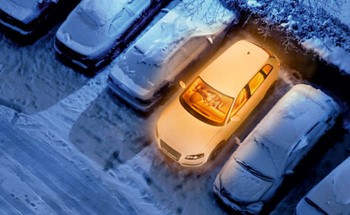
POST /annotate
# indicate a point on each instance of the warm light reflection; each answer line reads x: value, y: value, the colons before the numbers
x: 205, y: 102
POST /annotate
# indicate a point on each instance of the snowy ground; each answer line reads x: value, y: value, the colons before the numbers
x: 67, y: 146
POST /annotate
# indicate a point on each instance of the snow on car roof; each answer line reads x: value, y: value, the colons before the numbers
x: 101, y: 11
x: 162, y: 39
x: 146, y: 60
x: 332, y: 193
x: 265, y: 149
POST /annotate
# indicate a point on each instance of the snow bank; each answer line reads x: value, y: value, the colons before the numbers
x: 319, y: 27
x: 329, y: 52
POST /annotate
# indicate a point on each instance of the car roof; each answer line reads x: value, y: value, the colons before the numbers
x: 101, y: 11
x: 147, y: 58
x: 268, y: 146
x: 163, y: 38
x: 234, y: 68
x: 332, y: 193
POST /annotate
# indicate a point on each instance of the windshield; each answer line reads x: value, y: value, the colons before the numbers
x: 253, y: 171
x: 206, y: 103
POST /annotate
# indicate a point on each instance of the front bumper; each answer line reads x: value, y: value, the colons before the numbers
x: 136, y: 103
x: 77, y: 59
x: 178, y: 157
x: 242, y: 207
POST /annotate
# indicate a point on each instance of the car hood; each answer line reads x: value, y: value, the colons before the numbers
x: 24, y: 10
x: 88, y: 29
x: 182, y: 131
x: 239, y: 184
x: 332, y: 194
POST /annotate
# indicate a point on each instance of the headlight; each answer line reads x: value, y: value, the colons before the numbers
x: 194, y: 157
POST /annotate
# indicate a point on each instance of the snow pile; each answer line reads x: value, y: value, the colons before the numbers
x: 316, y: 29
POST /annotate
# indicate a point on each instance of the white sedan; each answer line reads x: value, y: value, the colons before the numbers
x: 257, y: 168
x: 195, y: 125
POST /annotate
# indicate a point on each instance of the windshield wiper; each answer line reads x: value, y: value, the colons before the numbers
x: 253, y: 171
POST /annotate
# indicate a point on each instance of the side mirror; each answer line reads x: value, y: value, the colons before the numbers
x: 182, y: 85
x: 289, y: 172
x: 235, y: 118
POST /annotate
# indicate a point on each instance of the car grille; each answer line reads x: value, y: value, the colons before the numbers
x: 170, y: 151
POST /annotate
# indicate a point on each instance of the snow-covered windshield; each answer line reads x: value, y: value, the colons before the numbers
x: 206, y: 103
x: 262, y: 155
x: 254, y: 171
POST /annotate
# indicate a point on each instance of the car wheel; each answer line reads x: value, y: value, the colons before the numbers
x: 217, y: 149
x: 271, y: 89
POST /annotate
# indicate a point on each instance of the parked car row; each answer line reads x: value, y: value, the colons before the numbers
x: 196, y: 125
x: 271, y: 151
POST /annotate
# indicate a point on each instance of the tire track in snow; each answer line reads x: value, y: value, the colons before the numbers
x: 173, y: 189
x: 71, y: 184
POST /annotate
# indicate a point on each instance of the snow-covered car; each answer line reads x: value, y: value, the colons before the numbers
x: 153, y: 62
x: 97, y: 30
x: 292, y: 127
x: 331, y: 195
x: 27, y: 17
x: 195, y: 125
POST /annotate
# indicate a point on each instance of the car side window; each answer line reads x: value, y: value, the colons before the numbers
x: 256, y: 81
x: 266, y: 69
x: 176, y: 60
x: 241, y: 99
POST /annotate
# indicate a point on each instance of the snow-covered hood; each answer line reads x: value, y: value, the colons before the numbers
x: 332, y: 194
x: 94, y: 25
x: 183, y: 132
x: 239, y: 184
x: 22, y: 10
x: 126, y: 83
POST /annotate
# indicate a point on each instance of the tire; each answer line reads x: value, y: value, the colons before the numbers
x: 217, y: 149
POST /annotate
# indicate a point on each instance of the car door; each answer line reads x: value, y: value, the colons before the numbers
x: 238, y: 107
x: 249, y: 97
